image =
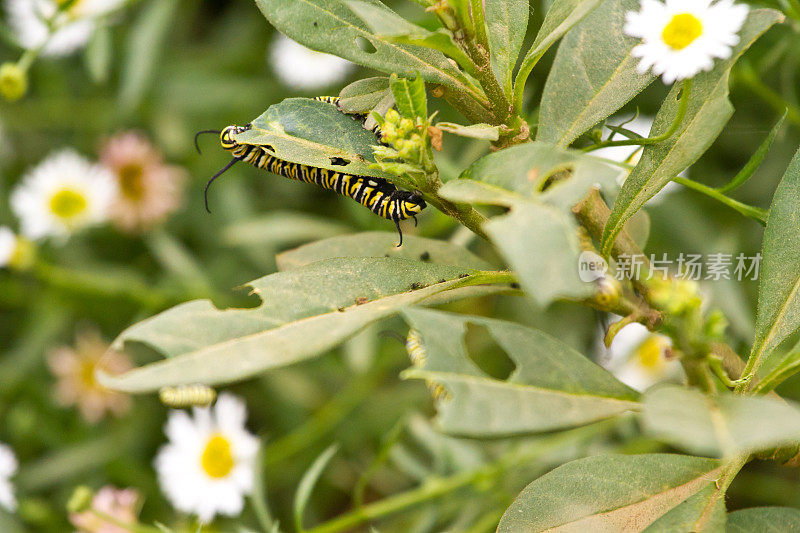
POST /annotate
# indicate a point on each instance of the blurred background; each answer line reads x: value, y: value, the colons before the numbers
x: 127, y: 94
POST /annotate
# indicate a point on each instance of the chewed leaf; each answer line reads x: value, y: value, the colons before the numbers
x: 304, y: 313
x: 609, y: 493
x: 544, y: 171
x: 301, y: 130
x: 552, y: 386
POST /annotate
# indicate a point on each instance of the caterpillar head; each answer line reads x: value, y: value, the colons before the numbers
x: 413, y: 203
x: 226, y: 137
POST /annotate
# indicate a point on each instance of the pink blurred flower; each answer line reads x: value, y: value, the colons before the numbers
x: 75, y: 369
x: 122, y: 504
x: 149, y: 189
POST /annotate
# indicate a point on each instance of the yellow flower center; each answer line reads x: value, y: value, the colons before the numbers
x: 130, y: 181
x: 67, y: 204
x: 217, y: 458
x: 682, y: 31
x: 649, y: 353
x: 86, y: 374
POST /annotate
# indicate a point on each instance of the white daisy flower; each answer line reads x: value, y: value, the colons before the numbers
x: 683, y: 37
x: 641, y: 125
x: 64, y: 193
x: 8, y: 467
x: 8, y: 246
x: 40, y: 23
x: 638, y: 358
x: 208, y: 466
x: 302, y: 68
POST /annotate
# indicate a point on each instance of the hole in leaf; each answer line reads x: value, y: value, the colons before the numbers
x: 557, y: 176
x: 486, y: 354
x: 339, y: 161
x: 365, y: 45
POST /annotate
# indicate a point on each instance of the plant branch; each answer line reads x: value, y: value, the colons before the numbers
x: 479, y: 23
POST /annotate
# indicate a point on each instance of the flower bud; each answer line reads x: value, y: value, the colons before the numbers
x: 388, y: 133
x: 716, y: 324
x: 406, y: 126
x: 13, y: 81
x: 81, y: 499
x: 392, y: 117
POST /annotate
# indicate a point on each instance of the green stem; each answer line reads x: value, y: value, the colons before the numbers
x: 438, y: 487
x: 501, y: 107
x: 324, y: 420
x: 715, y: 363
x: 756, y: 213
x: 105, y: 286
x: 676, y: 124
x: 722, y: 484
x: 467, y: 215
x: 479, y: 23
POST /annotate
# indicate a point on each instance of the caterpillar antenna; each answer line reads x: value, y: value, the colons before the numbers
x: 199, y: 133
x: 218, y: 174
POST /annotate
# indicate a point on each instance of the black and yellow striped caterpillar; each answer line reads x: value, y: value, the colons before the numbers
x: 376, y: 194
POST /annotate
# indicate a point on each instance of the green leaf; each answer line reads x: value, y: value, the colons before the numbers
x: 778, y: 313
x: 780, y: 371
x: 302, y: 130
x: 331, y: 26
x: 145, y: 45
x: 608, y: 493
x: 307, y: 483
x: 722, y: 425
x: 593, y: 76
x: 304, y: 313
x: 552, y: 387
x: 540, y: 183
x: 764, y: 520
x: 409, y: 95
x: 506, y: 24
x: 531, y: 168
x: 99, y: 54
x: 560, y: 18
x: 363, y: 96
x: 541, y: 245
x: 392, y: 27
x: 705, y: 511
x: 709, y: 109
x: 380, y: 244
x: 757, y: 158
x: 485, y: 132
x: 479, y: 193
x: 280, y: 228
